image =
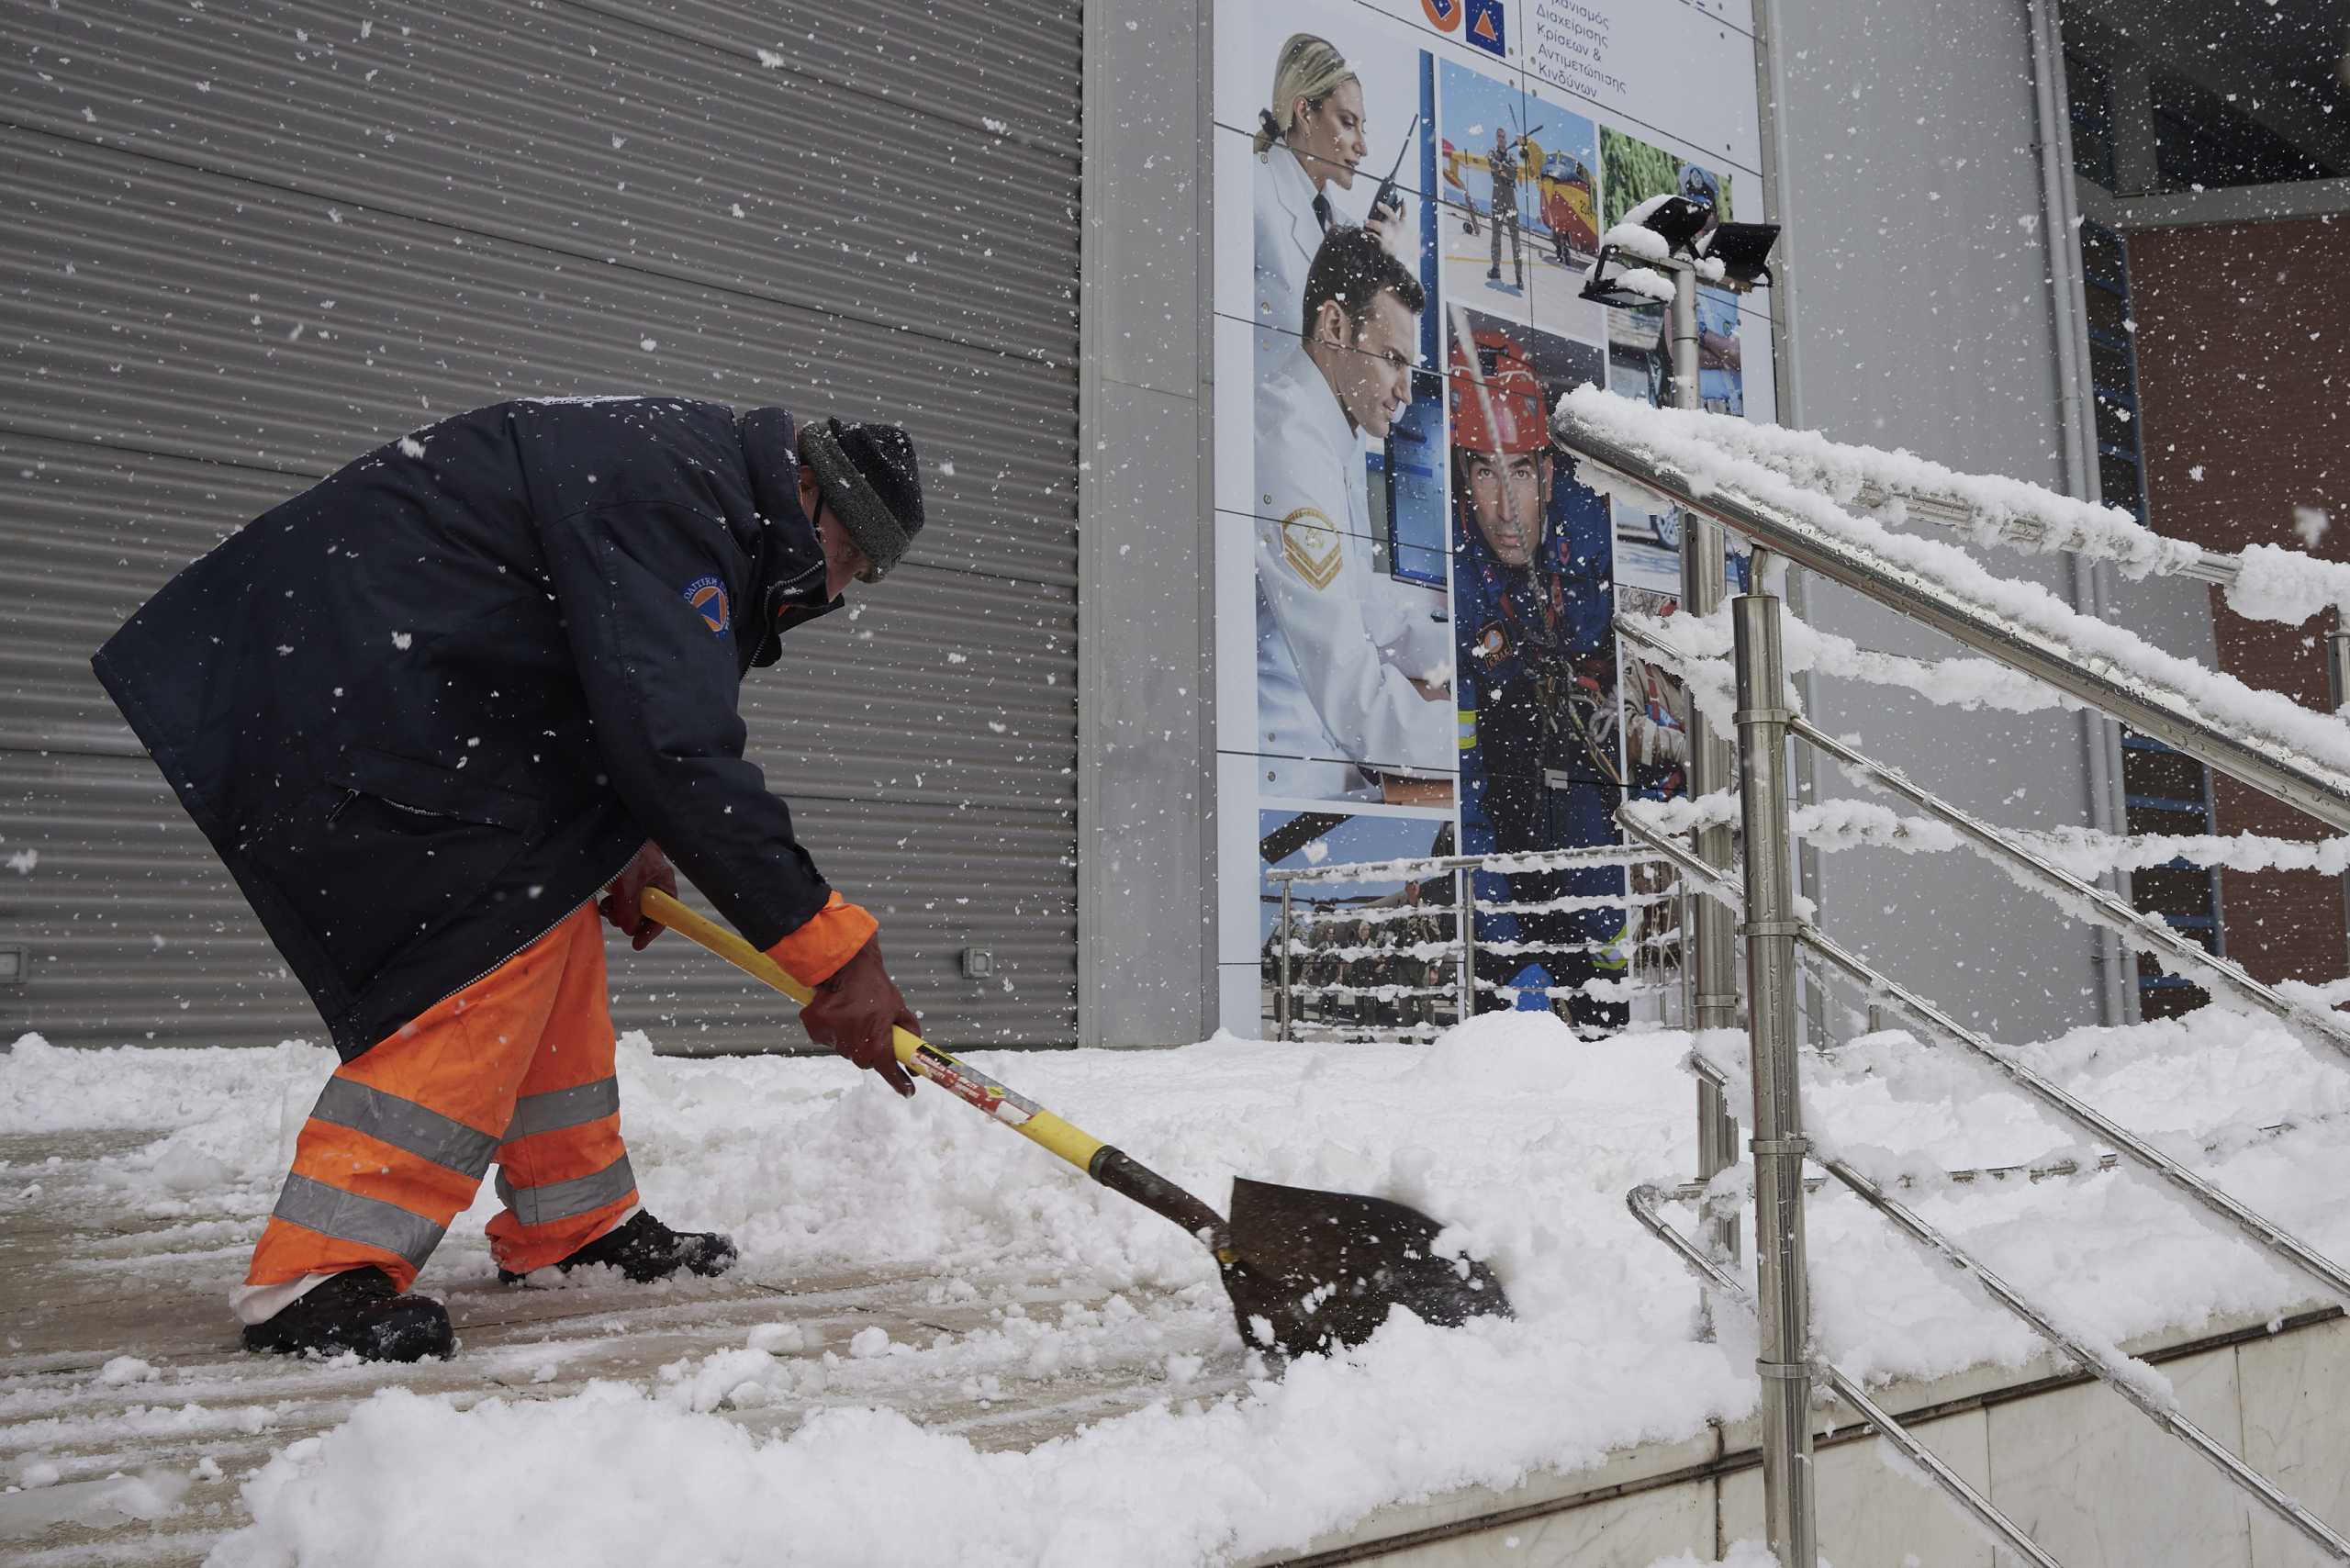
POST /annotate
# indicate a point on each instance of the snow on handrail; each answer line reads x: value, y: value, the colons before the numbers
x: 2145, y: 1389
x: 1699, y: 646
x: 1693, y: 647
x: 1825, y: 826
x: 2261, y: 737
x: 1644, y: 1202
x: 2085, y: 901
x: 2247, y: 1222
x: 1404, y: 870
x: 1312, y: 911
x: 2086, y: 853
x: 2264, y: 582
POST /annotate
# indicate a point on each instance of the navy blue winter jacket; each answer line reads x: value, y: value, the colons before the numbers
x: 427, y: 708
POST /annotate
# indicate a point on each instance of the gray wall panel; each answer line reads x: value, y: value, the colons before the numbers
x: 574, y: 132
x: 136, y: 934
x: 1911, y: 203
x: 171, y: 311
x: 1006, y: 67
x: 1146, y: 738
x: 939, y: 880
x: 937, y: 686
x: 249, y: 240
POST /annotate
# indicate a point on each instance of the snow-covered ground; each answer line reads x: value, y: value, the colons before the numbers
x: 790, y: 1446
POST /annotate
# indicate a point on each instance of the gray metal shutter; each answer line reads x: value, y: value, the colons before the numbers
x: 247, y: 241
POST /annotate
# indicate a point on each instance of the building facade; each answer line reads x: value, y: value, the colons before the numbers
x: 258, y: 239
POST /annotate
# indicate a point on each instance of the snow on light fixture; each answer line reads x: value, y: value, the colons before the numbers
x: 1674, y: 234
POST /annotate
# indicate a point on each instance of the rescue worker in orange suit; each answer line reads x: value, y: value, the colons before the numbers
x: 427, y: 712
x: 1533, y: 613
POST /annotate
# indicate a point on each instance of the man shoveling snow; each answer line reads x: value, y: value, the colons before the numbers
x: 425, y: 711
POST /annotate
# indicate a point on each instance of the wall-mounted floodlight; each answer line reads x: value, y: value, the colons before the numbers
x: 1676, y: 220
x: 1658, y: 232
x: 1744, y: 252
x: 1670, y: 235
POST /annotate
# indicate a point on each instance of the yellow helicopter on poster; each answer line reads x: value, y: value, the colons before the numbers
x: 1564, y: 193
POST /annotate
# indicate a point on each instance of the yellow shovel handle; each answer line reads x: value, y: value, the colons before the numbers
x: 1023, y: 1116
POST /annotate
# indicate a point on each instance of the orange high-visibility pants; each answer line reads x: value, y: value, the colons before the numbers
x: 517, y: 1069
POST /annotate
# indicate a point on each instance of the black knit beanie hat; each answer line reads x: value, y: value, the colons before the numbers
x: 869, y: 477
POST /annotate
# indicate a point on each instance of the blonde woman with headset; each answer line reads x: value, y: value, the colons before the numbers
x: 1313, y: 137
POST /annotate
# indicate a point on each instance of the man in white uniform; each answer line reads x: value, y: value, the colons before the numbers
x: 1354, y: 670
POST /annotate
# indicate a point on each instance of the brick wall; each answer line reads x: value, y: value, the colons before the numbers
x: 2243, y: 381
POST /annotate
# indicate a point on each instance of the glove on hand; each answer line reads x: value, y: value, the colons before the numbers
x: 651, y: 868
x: 854, y: 1012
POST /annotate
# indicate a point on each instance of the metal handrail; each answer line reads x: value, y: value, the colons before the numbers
x: 2062, y: 1168
x: 1511, y: 860
x: 2092, y: 902
x: 1289, y: 954
x: 2168, y: 715
x: 1643, y: 1201
x: 2267, y: 1233
x: 2083, y: 899
x: 2040, y: 647
x: 2122, y: 1378
x: 2024, y: 533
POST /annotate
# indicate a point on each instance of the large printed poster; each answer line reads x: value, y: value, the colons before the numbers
x: 1414, y: 596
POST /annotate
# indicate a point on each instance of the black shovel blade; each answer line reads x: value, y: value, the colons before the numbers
x: 1315, y: 1269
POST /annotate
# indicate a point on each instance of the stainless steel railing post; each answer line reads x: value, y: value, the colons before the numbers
x: 2337, y: 680
x: 1770, y: 928
x: 1282, y: 1000
x: 1686, y: 912
x: 1706, y: 940
x: 1644, y: 1202
x: 1464, y: 889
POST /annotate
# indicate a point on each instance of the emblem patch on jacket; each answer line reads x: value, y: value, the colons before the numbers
x: 708, y: 595
x: 1312, y: 546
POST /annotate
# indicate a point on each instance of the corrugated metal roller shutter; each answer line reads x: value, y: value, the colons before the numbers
x: 248, y: 240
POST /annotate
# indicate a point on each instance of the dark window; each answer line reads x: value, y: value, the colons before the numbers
x: 2117, y: 424
x: 2101, y: 256
x: 2165, y: 791
x: 2110, y: 367
x: 2090, y: 86
x: 2113, y: 369
x: 2107, y: 314
x: 2203, y: 140
x: 2117, y: 484
x: 2161, y: 774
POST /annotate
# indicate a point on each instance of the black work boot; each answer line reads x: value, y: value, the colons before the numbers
x: 359, y: 1310
x: 645, y: 1249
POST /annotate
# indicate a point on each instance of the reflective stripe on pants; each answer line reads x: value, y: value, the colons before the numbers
x: 516, y: 1067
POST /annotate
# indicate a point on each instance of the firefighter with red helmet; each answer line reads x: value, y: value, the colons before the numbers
x: 1533, y: 612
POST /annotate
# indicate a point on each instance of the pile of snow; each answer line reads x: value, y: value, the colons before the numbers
x: 1743, y: 1554
x: 1525, y: 1139
x: 103, y: 1504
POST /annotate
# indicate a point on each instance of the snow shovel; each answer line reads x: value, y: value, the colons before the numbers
x: 1305, y: 1270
